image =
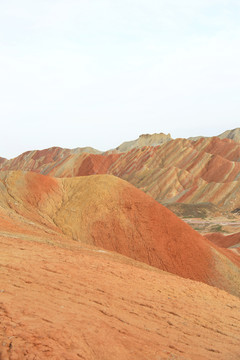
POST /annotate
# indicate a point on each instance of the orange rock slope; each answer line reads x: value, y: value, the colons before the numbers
x: 186, y: 171
x: 225, y: 241
x: 73, y: 302
x: 108, y: 212
x: 67, y: 291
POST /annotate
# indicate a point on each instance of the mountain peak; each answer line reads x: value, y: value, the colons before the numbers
x: 145, y: 140
x: 233, y: 134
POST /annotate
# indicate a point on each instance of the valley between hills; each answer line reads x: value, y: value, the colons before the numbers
x: 127, y: 254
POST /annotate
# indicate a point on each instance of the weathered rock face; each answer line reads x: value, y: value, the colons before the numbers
x: 144, y: 140
x: 74, y: 302
x: 108, y: 212
x: 231, y: 134
x: 178, y: 171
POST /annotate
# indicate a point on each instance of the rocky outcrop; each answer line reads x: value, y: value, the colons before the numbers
x: 231, y: 134
x: 144, y: 140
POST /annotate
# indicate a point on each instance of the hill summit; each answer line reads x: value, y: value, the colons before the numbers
x: 144, y: 140
x: 231, y: 134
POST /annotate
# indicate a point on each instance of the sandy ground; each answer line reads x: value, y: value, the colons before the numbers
x: 56, y: 303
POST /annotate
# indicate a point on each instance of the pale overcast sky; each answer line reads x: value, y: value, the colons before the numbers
x: 77, y: 73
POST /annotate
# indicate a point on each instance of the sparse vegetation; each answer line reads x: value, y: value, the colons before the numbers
x: 217, y: 228
x: 190, y: 211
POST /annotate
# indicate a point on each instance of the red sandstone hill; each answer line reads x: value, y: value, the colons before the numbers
x: 70, y: 302
x: 108, y: 212
x: 177, y: 171
x: 75, y: 254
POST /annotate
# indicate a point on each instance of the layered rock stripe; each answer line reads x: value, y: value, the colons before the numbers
x: 178, y: 171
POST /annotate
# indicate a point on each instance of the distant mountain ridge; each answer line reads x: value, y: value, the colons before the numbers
x: 144, y: 140
x: 155, y: 139
x: 204, y: 170
x: 231, y: 134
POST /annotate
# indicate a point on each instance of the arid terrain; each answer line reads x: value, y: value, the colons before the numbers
x: 205, y: 171
x: 74, y: 302
x: 128, y: 254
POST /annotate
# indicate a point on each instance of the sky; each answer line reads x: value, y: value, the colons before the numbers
x: 77, y: 73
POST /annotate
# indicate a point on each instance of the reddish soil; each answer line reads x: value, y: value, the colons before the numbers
x: 84, y: 303
x: 220, y: 170
x: 224, y: 241
x: 108, y: 212
x: 75, y: 254
x: 226, y: 148
x: 96, y: 164
x: 147, y: 231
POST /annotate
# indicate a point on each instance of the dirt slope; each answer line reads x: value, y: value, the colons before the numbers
x: 108, y: 212
x: 58, y: 303
x: 225, y: 241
